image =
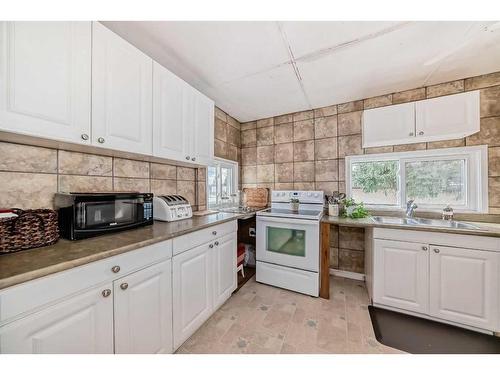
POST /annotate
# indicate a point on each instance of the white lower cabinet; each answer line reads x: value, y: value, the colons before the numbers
x: 192, y: 291
x: 464, y: 286
x: 453, y: 282
x: 401, y: 271
x: 143, y: 310
x: 143, y: 301
x: 203, y: 279
x: 225, y: 277
x: 82, y: 324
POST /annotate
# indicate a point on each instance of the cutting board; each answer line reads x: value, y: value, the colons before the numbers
x: 257, y: 197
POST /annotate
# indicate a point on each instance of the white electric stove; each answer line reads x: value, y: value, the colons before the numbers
x: 288, y: 241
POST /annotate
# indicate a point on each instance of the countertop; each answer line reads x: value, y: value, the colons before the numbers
x: 22, y: 266
x: 485, y: 229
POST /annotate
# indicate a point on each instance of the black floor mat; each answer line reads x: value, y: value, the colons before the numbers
x: 421, y: 336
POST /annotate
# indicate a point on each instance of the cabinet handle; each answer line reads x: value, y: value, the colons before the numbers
x: 85, y: 137
x: 106, y: 293
x: 211, y: 246
x: 214, y: 232
x: 412, y: 134
x: 123, y: 286
x: 193, y: 159
x: 216, y: 243
x: 187, y: 158
x: 420, y: 132
x: 424, y: 248
x: 100, y: 140
x: 436, y: 251
x: 116, y: 269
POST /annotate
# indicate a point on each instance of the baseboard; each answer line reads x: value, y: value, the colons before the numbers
x: 348, y: 274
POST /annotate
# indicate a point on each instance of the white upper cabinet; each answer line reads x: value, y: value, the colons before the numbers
x: 394, y: 124
x: 168, y: 114
x: 203, y: 139
x: 437, y: 119
x: 447, y: 117
x: 183, y: 119
x: 121, y: 93
x: 45, y: 80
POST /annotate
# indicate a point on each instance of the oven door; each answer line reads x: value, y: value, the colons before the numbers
x: 288, y: 242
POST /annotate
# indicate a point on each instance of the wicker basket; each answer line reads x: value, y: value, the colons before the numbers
x: 31, y: 228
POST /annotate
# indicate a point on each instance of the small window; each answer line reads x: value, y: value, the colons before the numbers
x: 432, y: 178
x: 221, y: 184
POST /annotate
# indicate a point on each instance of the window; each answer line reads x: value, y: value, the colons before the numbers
x: 221, y: 184
x: 433, y: 178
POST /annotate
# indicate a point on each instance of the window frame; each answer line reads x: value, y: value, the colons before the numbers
x: 476, y: 176
x: 218, y: 164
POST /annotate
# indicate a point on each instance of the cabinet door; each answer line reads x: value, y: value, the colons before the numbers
x: 401, y: 275
x: 82, y: 324
x: 390, y: 125
x: 204, y: 129
x: 143, y: 311
x: 448, y: 117
x: 168, y: 114
x: 464, y: 286
x: 192, y: 291
x: 122, y: 78
x: 45, y: 79
x: 225, y: 278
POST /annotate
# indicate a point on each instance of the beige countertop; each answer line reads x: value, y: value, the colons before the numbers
x: 485, y: 229
x: 22, y: 266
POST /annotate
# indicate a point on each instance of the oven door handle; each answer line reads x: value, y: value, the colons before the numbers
x: 286, y: 220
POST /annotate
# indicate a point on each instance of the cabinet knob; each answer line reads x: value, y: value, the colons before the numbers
x: 412, y: 134
x: 436, y: 251
x: 420, y: 132
x: 214, y: 232
x: 85, y: 137
x: 100, y: 140
x: 123, y: 286
x: 106, y: 293
x: 187, y: 157
x: 116, y: 269
x: 216, y: 243
x: 193, y: 159
x: 424, y: 248
x: 211, y: 246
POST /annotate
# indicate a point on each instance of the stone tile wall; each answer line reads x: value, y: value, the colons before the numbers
x: 307, y: 150
x: 226, y: 136
x: 30, y: 175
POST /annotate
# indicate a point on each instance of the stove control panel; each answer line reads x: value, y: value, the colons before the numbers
x: 301, y: 195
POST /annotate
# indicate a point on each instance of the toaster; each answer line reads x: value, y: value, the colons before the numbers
x: 171, y: 208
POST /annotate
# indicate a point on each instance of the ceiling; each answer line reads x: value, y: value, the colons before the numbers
x: 261, y: 69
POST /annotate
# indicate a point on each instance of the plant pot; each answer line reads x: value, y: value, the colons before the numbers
x: 295, y: 206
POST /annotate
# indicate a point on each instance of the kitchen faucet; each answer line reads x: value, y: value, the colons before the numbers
x: 410, y: 208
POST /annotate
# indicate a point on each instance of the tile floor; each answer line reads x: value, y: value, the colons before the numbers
x: 263, y: 319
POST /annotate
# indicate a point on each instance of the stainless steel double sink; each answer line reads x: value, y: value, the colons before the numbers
x: 414, y: 221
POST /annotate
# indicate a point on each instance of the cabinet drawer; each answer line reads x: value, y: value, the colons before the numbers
x: 188, y: 241
x: 29, y: 296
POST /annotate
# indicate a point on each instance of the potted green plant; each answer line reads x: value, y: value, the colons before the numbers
x: 294, y: 202
x: 354, y: 210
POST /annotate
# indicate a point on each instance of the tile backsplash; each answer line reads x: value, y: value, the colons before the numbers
x: 30, y: 176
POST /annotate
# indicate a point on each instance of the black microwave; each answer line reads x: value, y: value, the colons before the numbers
x: 83, y: 215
